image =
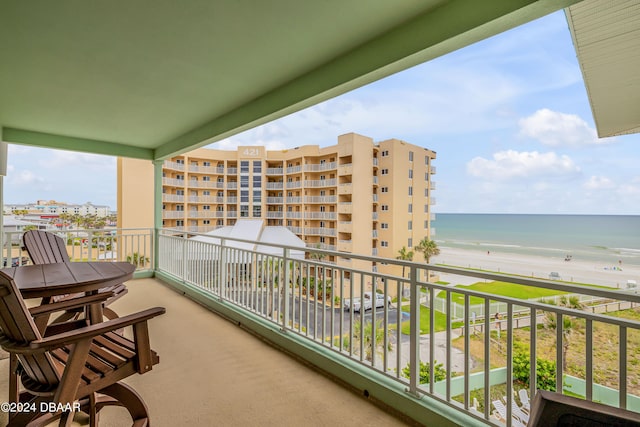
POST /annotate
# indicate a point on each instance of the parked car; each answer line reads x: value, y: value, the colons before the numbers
x: 346, y: 303
x: 380, y: 302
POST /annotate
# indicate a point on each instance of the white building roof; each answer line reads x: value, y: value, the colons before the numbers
x: 256, y: 231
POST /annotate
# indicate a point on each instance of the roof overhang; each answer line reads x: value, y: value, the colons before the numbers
x: 606, y: 35
x: 149, y: 79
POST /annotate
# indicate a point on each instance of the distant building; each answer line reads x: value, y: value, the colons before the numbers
x: 52, y: 209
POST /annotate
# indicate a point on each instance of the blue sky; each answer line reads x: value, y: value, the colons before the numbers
x: 508, y: 117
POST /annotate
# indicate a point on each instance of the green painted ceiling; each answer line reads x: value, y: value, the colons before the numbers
x: 150, y: 78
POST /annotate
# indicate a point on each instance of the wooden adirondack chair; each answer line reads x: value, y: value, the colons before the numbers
x: 76, y: 363
x: 48, y: 248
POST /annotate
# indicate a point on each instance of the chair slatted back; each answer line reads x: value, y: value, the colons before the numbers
x: 45, y: 248
x: 18, y: 327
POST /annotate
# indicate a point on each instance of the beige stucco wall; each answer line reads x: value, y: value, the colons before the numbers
x: 135, y: 193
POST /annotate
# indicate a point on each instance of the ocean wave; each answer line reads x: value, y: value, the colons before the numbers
x: 630, y: 251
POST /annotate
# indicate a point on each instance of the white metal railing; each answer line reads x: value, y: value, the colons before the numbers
x: 173, y: 165
x: 134, y: 245
x: 176, y: 198
x: 294, y: 200
x: 274, y: 171
x: 172, y: 214
x: 320, y: 215
x: 312, y: 183
x: 320, y: 231
x: 173, y: 182
x: 415, y: 321
x: 321, y: 199
x: 294, y: 169
x: 317, y: 167
x: 275, y: 200
x: 294, y: 184
x: 291, y: 214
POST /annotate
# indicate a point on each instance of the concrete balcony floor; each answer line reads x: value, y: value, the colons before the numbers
x: 211, y: 372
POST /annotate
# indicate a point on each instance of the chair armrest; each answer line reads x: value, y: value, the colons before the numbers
x: 91, y: 331
x: 70, y: 303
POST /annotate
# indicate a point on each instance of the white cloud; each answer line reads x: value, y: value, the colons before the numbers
x: 25, y: 178
x: 599, y: 183
x: 559, y: 129
x: 515, y: 164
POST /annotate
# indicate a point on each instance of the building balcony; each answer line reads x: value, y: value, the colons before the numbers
x: 320, y: 215
x: 174, y: 198
x: 274, y: 171
x: 173, y: 214
x: 315, y: 183
x: 275, y: 200
x: 319, y: 167
x: 173, y: 182
x: 321, y: 199
x: 168, y: 164
x: 345, y: 208
x: 245, y: 287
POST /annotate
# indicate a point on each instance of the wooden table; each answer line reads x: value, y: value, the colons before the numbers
x: 47, y: 280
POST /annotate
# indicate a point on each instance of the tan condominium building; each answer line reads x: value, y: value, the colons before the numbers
x: 358, y: 196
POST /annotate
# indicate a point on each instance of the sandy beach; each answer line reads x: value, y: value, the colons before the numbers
x: 576, y: 270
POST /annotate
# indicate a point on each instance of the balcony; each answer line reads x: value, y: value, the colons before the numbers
x: 319, y: 167
x: 320, y: 330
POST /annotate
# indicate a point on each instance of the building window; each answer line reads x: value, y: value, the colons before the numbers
x: 385, y: 207
x: 323, y: 208
x: 385, y: 189
x: 426, y: 192
x: 206, y: 208
x: 410, y: 173
x: 206, y: 163
x: 244, y: 211
x: 206, y: 222
x: 257, y: 166
x: 384, y: 225
x: 410, y: 242
x: 206, y: 178
x: 244, y: 196
x: 181, y: 177
x: 426, y: 224
x: 385, y: 153
x: 385, y: 171
x: 410, y: 207
x: 244, y: 182
x: 322, y: 224
x: 411, y: 160
x: 410, y: 227
x: 257, y: 181
x: 426, y: 208
x: 384, y: 244
x: 220, y: 222
x: 180, y: 208
x: 180, y: 161
x: 257, y: 196
x: 257, y: 211
x: 411, y: 191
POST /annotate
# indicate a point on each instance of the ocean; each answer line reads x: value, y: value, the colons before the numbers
x: 609, y: 239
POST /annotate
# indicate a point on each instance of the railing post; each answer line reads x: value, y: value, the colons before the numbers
x: 285, y: 288
x: 414, y: 338
x: 185, y: 260
x: 222, y: 268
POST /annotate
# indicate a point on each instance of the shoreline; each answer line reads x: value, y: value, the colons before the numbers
x: 581, y: 271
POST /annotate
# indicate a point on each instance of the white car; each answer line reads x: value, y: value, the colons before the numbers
x: 380, y: 302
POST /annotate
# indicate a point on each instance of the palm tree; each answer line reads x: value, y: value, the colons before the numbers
x: 404, y: 254
x: 569, y: 325
x: 428, y: 248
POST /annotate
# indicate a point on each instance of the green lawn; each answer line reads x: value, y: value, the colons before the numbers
x: 503, y: 289
x: 425, y: 321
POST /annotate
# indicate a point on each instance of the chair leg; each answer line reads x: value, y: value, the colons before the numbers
x: 131, y: 400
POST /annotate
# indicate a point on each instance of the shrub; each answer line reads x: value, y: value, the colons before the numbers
x: 439, y: 372
x: 545, y: 370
